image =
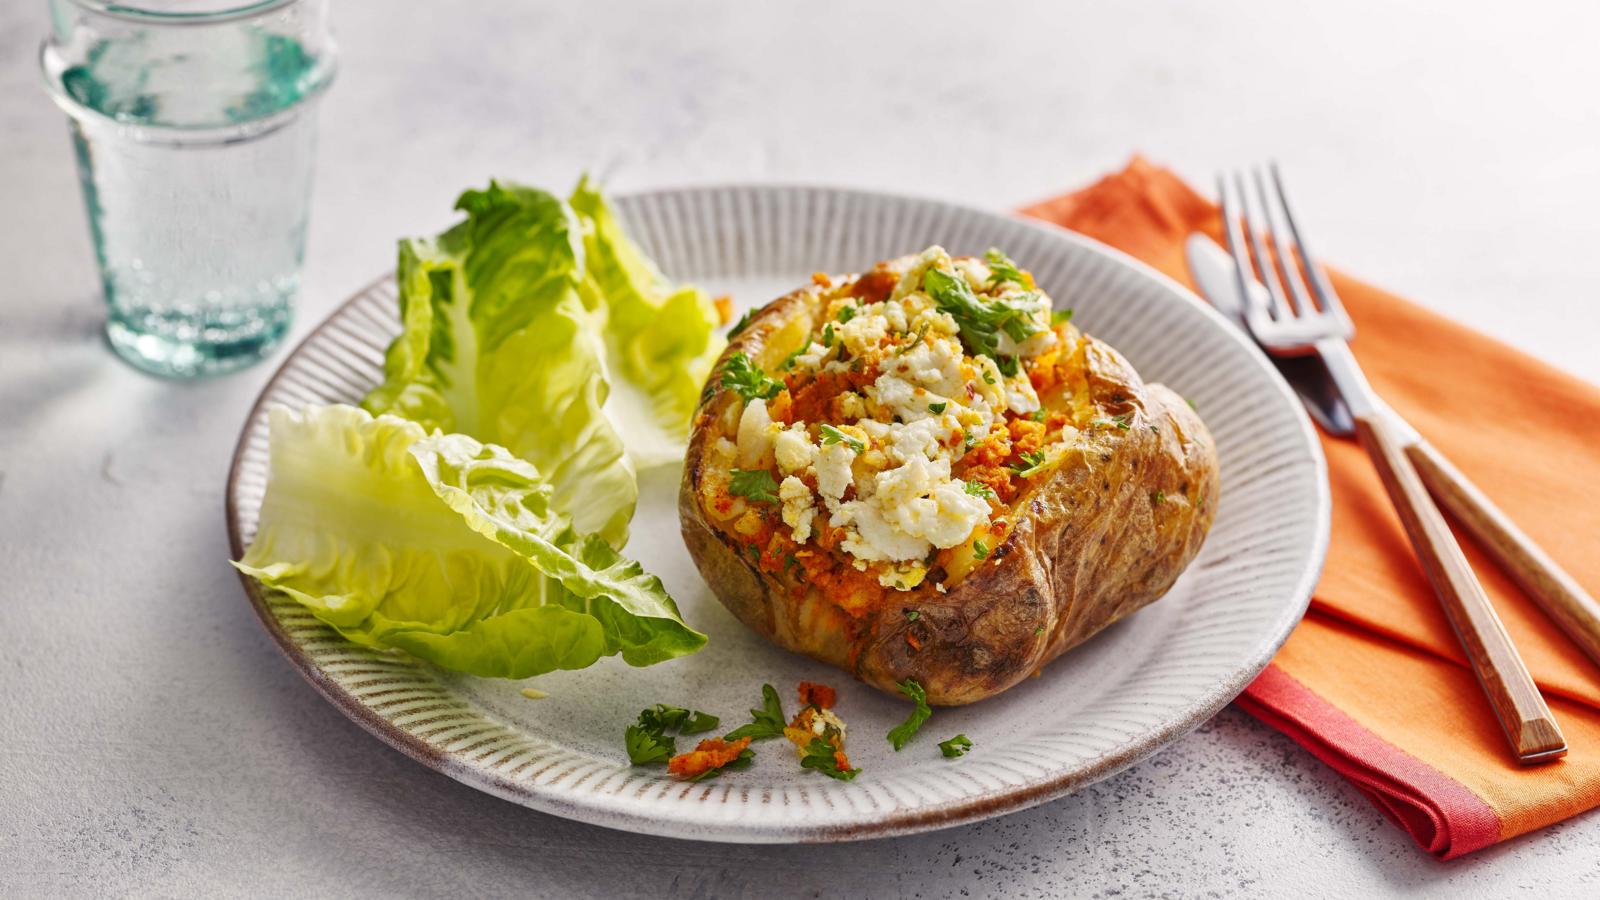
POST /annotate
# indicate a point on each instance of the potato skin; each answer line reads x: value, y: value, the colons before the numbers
x: 1106, y: 533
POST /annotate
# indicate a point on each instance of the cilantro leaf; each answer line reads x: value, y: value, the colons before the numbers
x: 900, y: 734
x: 827, y: 335
x: 766, y: 722
x: 820, y: 756
x: 832, y: 435
x: 979, y: 489
x: 980, y: 321
x: 1002, y: 269
x: 956, y: 746
x: 747, y: 380
x: 846, y: 313
x: 756, y: 484
x: 980, y: 551
x: 1060, y: 315
x: 699, y: 722
x: 937, y: 408
x: 647, y: 746
x: 1008, y: 366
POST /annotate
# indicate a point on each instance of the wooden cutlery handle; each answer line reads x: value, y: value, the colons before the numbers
x: 1523, y: 715
x: 1556, y: 592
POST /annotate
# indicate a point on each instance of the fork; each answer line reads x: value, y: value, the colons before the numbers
x: 1289, y: 322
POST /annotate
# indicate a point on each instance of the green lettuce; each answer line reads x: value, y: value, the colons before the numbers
x: 536, y: 324
x: 662, y: 339
x: 448, y: 548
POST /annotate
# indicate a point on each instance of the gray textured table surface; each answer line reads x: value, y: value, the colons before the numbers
x: 152, y: 741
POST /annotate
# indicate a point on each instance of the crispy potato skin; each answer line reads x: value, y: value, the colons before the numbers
x: 1106, y: 533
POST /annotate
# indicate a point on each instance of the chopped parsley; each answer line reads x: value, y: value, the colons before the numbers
x: 832, y: 435
x: 912, y: 615
x: 1007, y: 365
x: 902, y: 733
x: 646, y: 747
x: 1031, y: 463
x: 1123, y: 421
x: 756, y: 484
x: 980, y: 320
x: 827, y: 335
x: 846, y: 313
x: 1060, y: 315
x: 661, y: 718
x: 820, y: 755
x: 747, y: 380
x: 1002, y: 269
x: 969, y: 440
x: 937, y: 408
x: 743, y: 323
x: 647, y: 740
x: 914, y: 343
x: 1158, y: 497
x: 1038, y: 630
x: 987, y: 378
x: 1154, y: 430
x: 955, y: 747
x: 788, y: 361
x: 1038, y: 415
x: 979, y: 489
x: 980, y: 551
x: 766, y: 722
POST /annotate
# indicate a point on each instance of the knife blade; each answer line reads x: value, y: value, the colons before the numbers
x: 1213, y: 270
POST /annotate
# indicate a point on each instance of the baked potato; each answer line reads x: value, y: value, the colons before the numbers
x: 924, y: 472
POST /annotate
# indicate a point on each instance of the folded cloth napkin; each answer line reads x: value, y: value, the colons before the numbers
x: 1372, y: 681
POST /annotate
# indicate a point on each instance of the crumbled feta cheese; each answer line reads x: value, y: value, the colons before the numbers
x: 754, y: 437
x: 833, y: 470
x: 793, y: 449
x: 798, y: 509
x: 851, y: 406
x: 863, y: 333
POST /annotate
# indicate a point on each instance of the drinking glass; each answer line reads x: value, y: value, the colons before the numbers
x: 194, y: 128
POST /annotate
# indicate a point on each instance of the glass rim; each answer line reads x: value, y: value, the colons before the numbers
x: 137, y: 11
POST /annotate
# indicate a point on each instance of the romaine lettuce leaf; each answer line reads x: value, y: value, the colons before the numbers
x: 447, y: 548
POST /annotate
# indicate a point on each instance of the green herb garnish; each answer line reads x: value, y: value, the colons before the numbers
x: 955, y: 747
x: 969, y: 440
x: 1158, y: 497
x: 979, y: 489
x: 756, y: 484
x: 832, y: 435
x: 1031, y: 463
x: 743, y: 323
x: 788, y: 361
x: 1008, y: 366
x: 912, y: 615
x: 1060, y: 315
x: 820, y: 756
x: 1037, y: 415
x: 980, y: 551
x: 937, y: 408
x: 980, y: 320
x: 1002, y: 269
x: 647, y: 746
x: 827, y: 335
x: 846, y: 313
x: 900, y: 734
x: 766, y: 722
x: 747, y: 380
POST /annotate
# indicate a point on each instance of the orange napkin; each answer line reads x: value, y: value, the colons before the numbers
x: 1373, y: 681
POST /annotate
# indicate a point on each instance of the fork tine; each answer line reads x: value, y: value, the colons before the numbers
x: 1234, y: 238
x: 1326, y: 297
x: 1264, y: 268
x: 1286, y: 265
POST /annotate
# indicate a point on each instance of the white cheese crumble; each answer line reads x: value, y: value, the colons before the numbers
x: 798, y: 509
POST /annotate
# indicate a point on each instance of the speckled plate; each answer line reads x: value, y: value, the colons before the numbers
x: 1099, y: 709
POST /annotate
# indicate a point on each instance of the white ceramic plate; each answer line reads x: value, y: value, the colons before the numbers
x: 1099, y: 709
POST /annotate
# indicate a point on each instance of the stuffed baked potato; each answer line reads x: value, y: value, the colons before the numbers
x: 923, y: 472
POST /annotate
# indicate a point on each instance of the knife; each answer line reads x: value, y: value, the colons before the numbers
x: 1556, y: 591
